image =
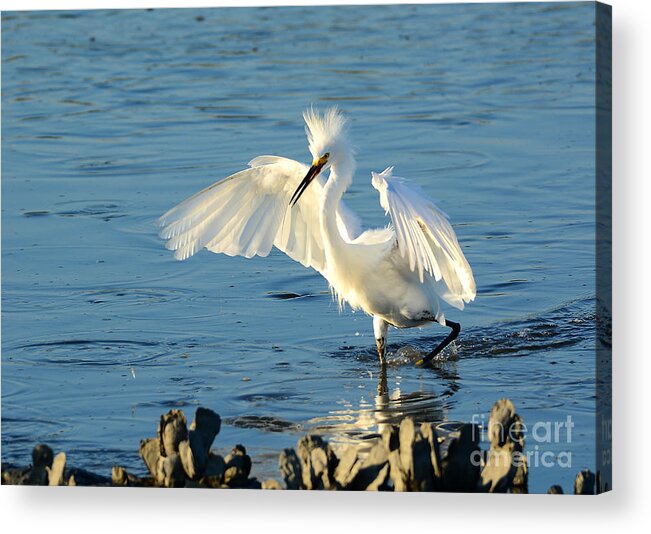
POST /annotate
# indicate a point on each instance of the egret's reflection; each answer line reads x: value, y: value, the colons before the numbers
x: 363, y: 419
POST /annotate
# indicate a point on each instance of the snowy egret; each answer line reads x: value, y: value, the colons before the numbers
x: 398, y: 274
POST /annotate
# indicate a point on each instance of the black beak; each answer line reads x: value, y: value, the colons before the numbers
x: 311, y: 175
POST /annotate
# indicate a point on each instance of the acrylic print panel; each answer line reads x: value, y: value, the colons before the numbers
x: 229, y: 365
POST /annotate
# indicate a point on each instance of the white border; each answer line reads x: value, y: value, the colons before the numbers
x: 125, y: 510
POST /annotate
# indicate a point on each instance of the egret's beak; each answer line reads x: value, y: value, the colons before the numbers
x: 314, y: 171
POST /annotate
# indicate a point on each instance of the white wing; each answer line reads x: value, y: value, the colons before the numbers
x: 247, y: 213
x: 425, y: 236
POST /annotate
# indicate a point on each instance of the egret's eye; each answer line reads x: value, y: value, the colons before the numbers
x: 326, y: 155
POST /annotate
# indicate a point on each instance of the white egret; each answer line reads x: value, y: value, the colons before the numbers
x: 399, y: 274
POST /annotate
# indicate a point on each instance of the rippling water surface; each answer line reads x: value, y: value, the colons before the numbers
x: 109, y: 118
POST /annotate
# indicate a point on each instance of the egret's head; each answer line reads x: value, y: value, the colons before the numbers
x: 317, y: 166
x: 329, y: 145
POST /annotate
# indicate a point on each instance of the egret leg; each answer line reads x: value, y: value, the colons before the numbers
x: 456, y: 328
x: 381, y: 345
x: 380, y: 328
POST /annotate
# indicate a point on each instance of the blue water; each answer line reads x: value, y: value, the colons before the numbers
x: 109, y: 118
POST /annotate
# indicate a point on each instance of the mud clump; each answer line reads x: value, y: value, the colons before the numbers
x: 50, y: 470
x: 181, y: 457
x: 504, y: 466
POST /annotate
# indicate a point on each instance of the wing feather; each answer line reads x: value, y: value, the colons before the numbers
x: 247, y: 214
x: 425, y: 237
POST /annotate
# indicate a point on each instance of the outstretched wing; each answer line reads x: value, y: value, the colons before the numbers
x: 425, y: 237
x: 247, y: 213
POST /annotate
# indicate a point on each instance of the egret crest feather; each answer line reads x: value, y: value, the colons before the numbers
x: 327, y: 132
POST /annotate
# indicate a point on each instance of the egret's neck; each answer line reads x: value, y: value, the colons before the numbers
x: 341, y: 176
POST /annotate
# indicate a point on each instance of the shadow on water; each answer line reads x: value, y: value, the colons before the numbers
x: 352, y: 424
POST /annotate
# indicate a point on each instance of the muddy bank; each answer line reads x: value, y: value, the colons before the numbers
x: 405, y: 457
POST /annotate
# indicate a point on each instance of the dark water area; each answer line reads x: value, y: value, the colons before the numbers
x: 109, y: 118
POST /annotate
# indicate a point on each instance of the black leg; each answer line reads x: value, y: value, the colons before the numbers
x: 456, y: 328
